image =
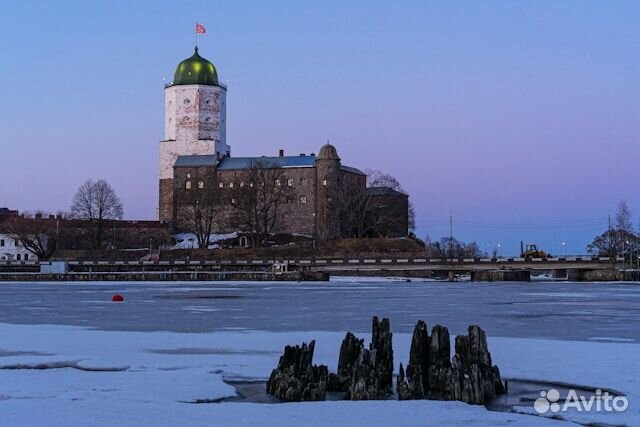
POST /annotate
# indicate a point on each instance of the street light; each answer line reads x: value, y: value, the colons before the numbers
x: 499, y: 249
x: 564, y: 248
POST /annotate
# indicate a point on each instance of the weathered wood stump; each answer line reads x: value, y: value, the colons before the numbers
x: 349, y: 352
x: 381, y: 343
x: 296, y: 379
x: 419, y: 361
x: 480, y: 379
x: 372, y: 374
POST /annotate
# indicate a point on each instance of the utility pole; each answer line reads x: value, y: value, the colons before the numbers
x: 451, y: 235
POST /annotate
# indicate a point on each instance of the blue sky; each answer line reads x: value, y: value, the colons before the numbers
x: 519, y: 117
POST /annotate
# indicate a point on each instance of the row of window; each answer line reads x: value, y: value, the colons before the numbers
x: 290, y: 183
x: 302, y: 200
x: 19, y: 257
x: 15, y: 243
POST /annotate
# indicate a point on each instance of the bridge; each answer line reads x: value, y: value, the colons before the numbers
x: 481, y: 269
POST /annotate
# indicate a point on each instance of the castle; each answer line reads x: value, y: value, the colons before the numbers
x: 197, y: 169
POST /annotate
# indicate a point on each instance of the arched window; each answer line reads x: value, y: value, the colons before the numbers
x: 221, y: 185
x: 277, y: 182
x: 187, y: 185
x: 231, y: 185
x: 26, y: 257
x: 233, y: 201
x: 18, y: 257
x: 290, y: 182
x: 324, y: 181
x: 200, y: 184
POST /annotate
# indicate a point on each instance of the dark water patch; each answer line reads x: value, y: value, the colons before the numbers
x: 202, y: 351
x: 197, y: 296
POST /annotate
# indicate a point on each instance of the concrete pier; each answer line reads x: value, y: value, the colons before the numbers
x: 501, y: 276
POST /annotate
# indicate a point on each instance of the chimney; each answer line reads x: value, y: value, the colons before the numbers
x: 281, y: 152
x: 302, y: 154
x: 52, y: 216
x: 38, y: 215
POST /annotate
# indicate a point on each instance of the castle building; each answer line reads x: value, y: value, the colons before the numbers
x: 196, y: 161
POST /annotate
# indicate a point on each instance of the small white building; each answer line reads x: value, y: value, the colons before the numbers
x: 13, y: 250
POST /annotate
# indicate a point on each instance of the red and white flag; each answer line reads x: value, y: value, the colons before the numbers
x: 200, y: 29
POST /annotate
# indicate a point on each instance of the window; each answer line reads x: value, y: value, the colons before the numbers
x: 290, y: 182
x: 289, y: 200
x: 303, y: 181
x: 324, y: 181
x: 2, y: 242
x: 241, y: 184
x: 186, y: 102
x: 303, y: 199
x: 208, y: 119
x: 188, y: 175
x: 200, y: 184
x: 251, y: 184
x: 18, y: 257
x: 278, y: 182
x: 233, y: 201
x: 187, y: 185
x: 207, y: 102
x: 221, y: 185
x: 26, y: 257
x: 231, y: 185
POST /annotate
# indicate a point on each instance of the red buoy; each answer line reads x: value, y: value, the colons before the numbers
x: 117, y: 298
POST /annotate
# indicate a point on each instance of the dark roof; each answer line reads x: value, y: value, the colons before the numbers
x: 237, y: 163
x: 233, y: 163
x: 195, y: 161
x: 383, y: 191
x: 352, y: 170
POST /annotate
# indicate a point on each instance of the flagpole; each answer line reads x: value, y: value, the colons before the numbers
x: 196, y: 30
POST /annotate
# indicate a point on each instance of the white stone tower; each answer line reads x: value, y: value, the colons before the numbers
x: 194, y: 121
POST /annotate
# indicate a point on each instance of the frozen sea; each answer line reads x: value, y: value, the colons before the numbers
x: 556, y: 310
x: 71, y: 357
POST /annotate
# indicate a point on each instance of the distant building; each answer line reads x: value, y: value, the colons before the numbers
x: 10, y: 248
x: 195, y: 158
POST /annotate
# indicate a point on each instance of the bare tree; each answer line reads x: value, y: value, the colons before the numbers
x: 97, y: 202
x: 376, y: 178
x: 37, y: 232
x: 199, y: 214
x: 355, y: 209
x: 623, y: 217
x: 258, y: 202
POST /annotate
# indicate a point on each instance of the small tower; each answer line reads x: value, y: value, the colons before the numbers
x: 327, y: 193
x: 194, y: 121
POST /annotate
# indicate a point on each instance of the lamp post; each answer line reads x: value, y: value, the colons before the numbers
x: 564, y: 248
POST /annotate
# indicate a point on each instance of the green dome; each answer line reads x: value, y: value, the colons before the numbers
x: 195, y: 71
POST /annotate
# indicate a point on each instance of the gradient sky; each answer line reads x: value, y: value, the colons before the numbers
x: 521, y: 118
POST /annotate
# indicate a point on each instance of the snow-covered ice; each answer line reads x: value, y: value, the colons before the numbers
x: 103, y: 368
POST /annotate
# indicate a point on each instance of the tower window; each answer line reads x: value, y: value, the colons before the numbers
x: 208, y: 119
x: 303, y: 199
x: 324, y: 181
x: 290, y: 182
x: 221, y: 185
x: 231, y: 185
x: 188, y: 175
x: 200, y: 184
x: 186, y: 101
x: 187, y: 185
x: 251, y: 184
x: 233, y: 201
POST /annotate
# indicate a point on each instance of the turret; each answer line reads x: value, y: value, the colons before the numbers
x: 327, y: 193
